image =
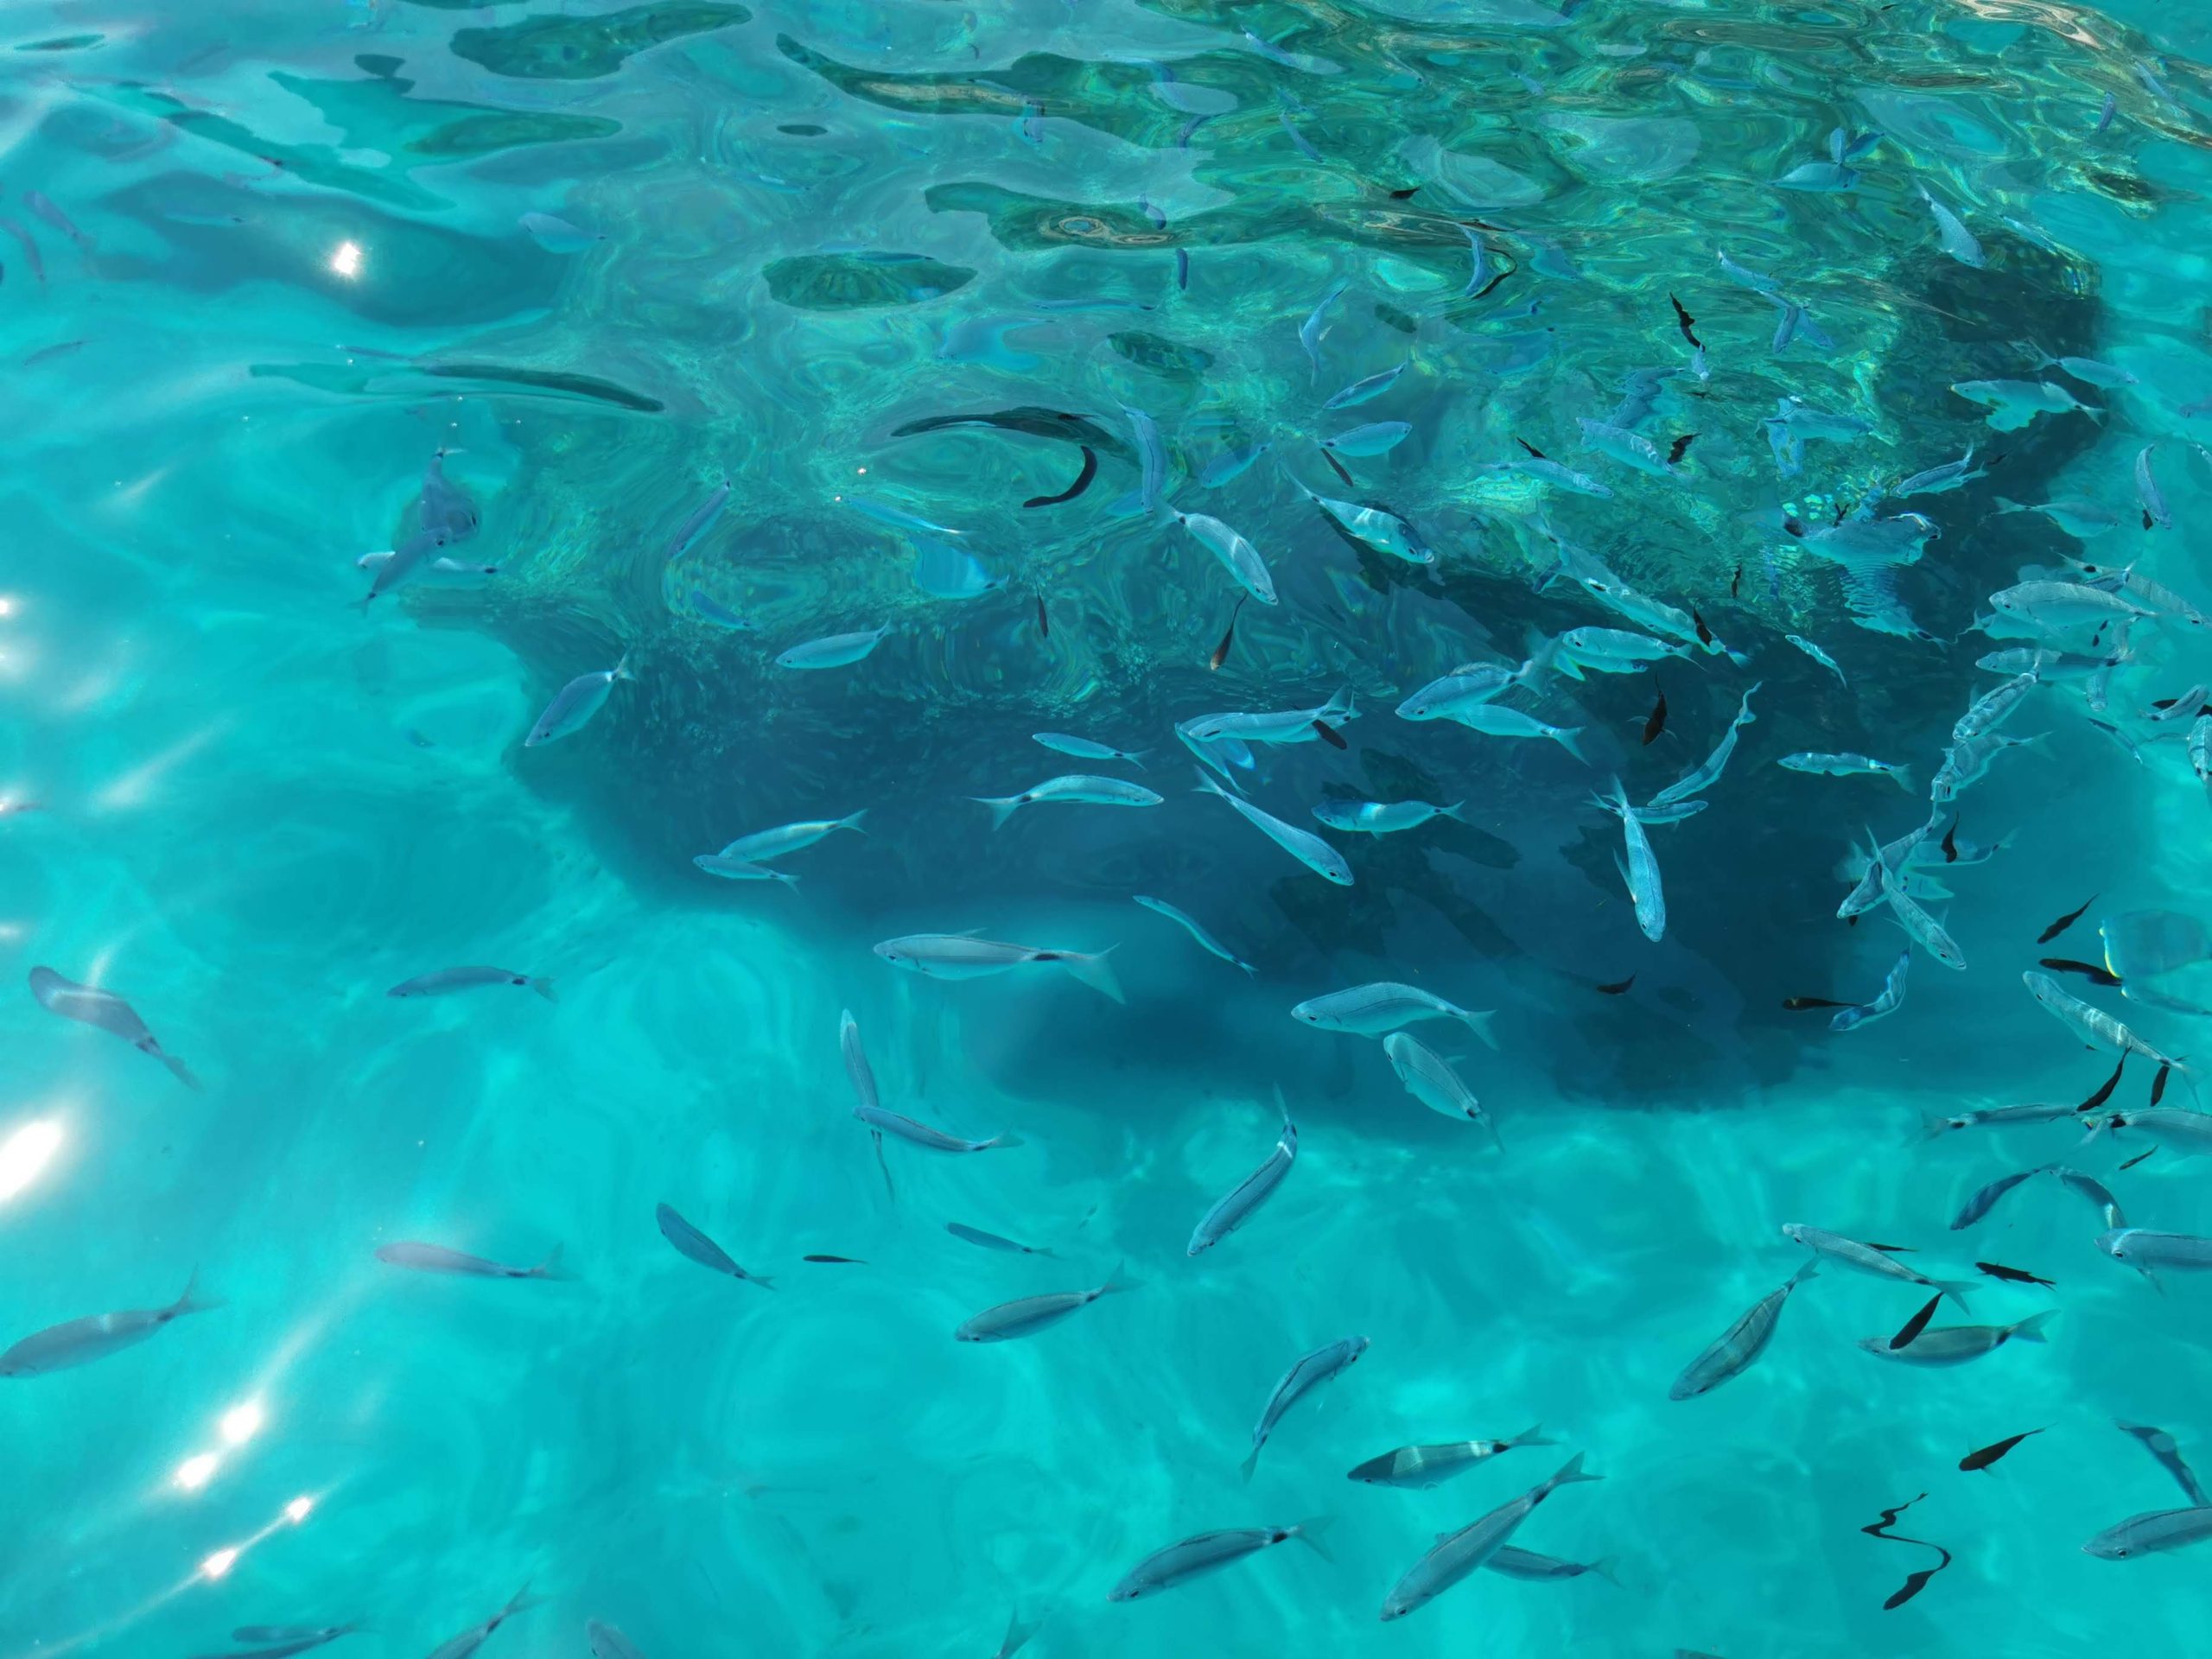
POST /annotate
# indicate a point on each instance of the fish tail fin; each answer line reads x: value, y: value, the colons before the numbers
x: 1956, y: 1290
x: 1480, y: 1024
x: 178, y: 1070
x: 853, y: 822
x: 191, y: 1301
x: 1902, y: 776
x: 1018, y: 1634
x: 1002, y: 807
x: 2030, y: 1329
x: 1572, y: 1472
x: 542, y: 984
x: 1251, y: 1462
x: 1569, y: 738
x: 1207, y: 786
x: 1811, y: 1270
x: 1533, y: 1436
x: 1093, y: 970
x: 760, y: 1279
x: 998, y: 1141
x: 1310, y: 1532
x: 1608, y: 1568
x: 550, y: 1268
x: 622, y: 670
x: 1118, y: 1280
x: 1456, y: 810
x: 1135, y: 758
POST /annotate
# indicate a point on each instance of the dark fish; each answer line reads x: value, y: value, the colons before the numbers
x: 1951, y: 841
x: 1736, y: 582
x: 2105, y: 1093
x: 852, y: 1260
x: 1228, y: 634
x: 2063, y: 922
x: 552, y: 380
x: 1339, y: 466
x: 1082, y: 482
x: 1534, y: 454
x: 31, y: 248
x: 1704, y: 634
x: 2012, y: 1275
x: 1918, y: 1323
x: 2159, y: 1084
x: 1329, y: 734
x: 2088, y: 969
x: 1656, y: 721
x: 1799, y: 1004
x: 1618, y: 987
x: 1680, y: 447
x: 1183, y: 269
x: 1036, y: 421
x: 1989, y: 1454
x: 1686, y: 322
x: 1044, y: 622
x: 1915, y: 1581
x: 2137, y: 1158
x: 1400, y: 195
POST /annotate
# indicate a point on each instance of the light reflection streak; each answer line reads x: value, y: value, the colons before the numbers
x: 26, y: 1152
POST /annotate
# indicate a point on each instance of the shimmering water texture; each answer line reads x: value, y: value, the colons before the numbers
x: 1116, y: 829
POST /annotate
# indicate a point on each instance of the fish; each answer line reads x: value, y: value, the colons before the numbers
x: 2156, y: 514
x: 1376, y: 438
x: 1445, y: 697
x: 695, y: 1246
x: 575, y: 703
x: 1383, y: 1006
x: 2150, y: 1533
x: 2065, y: 921
x: 1955, y: 1344
x: 710, y: 609
x: 962, y: 1230
x: 696, y: 527
x: 1846, y: 766
x: 1307, y: 848
x: 1918, y: 1323
x: 437, y: 1258
x: 1233, y: 464
x: 1555, y: 472
x: 1816, y: 654
x: 465, y: 1645
x: 764, y: 845
x: 1071, y: 789
x: 44, y: 207
x: 2099, y: 1195
x: 1640, y: 866
x: 1685, y: 322
x: 1983, y: 1198
x: 1493, y: 720
x: 1891, y: 998
x: 2130, y: 1163
x: 1027, y: 1315
x: 1237, y: 1205
x: 1206, y: 1552
x: 1989, y: 710
x: 2012, y: 1275
x: 1373, y: 527
x: 1309, y: 332
x: 1479, y: 276
x: 1755, y: 281
x: 1228, y: 635
x: 80, y: 1342
x: 741, y: 869
x: 1431, y: 1080
x: 1655, y: 723
x: 1957, y: 241
x: 1618, y: 987
x: 607, y: 1643
x: 1043, y: 621
x: 88, y: 1005
x: 1381, y: 817
x: 921, y: 1134
x: 1306, y: 1373
x: 1082, y: 482
x: 2161, y: 1445
x: 1631, y: 449
x: 1871, y: 1259
x: 1152, y: 455
x: 282, y: 1640
x: 2058, y: 604
x: 1238, y: 556
x: 1361, y: 391
x: 2092, y: 1025
x: 1456, y: 1555
x: 834, y: 650
x: 1936, y: 480
x: 441, y: 568
x: 2104, y: 1093
x: 842, y: 1261
x: 1082, y: 748
x: 1417, y: 1468
x: 1923, y: 928
x: 1733, y: 1351
x: 962, y: 955
x: 408, y: 560
x: 2013, y: 404
x: 1801, y: 1004
x: 444, y: 982
x: 2146, y: 1250
x: 1706, y: 773
x: 1517, y: 1563
x: 1197, y: 930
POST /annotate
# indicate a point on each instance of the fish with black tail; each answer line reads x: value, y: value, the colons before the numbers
x: 2088, y: 971
x: 1918, y: 1323
x: 1989, y: 1454
x: 2065, y: 921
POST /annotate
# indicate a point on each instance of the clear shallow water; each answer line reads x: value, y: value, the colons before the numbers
x: 262, y: 808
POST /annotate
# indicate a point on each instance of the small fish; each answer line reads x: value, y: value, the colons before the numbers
x: 1480, y: 278
x: 2105, y: 115
x: 2130, y: 1163
x: 1890, y: 999
x: 763, y: 845
x: 1757, y: 281
x: 575, y: 703
x: 1237, y: 1205
x: 1309, y: 332
x: 1306, y: 1373
x: 1934, y: 481
x: 708, y: 608
x: 1083, y: 748
x: 2088, y: 1186
x: 1871, y: 1259
x: 1457, y: 1554
x: 1495, y: 720
x: 2088, y: 971
x: 1376, y: 1009
x: 88, y: 1005
x: 695, y: 525
x: 2156, y: 514
x: 1431, y: 1080
x: 1918, y: 1323
x: 1026, y: 1315
x: 558, y: 235
x: 418, y: 553
x: 1233, y: 465
x: 79, y: 1342
x: 465, y: 1644
x: 1847, y: 766
x: 1376, y: 438
x: 1801, y: 1004
x: 962, y: 955
x: 1228, y: 635
x: 1955, y: 1344
x: 2012, y: 1275
x: 1958, y: 241
x: 1044, y: 622
x: 1361, y: 391
x: 39, y: 204
x: 2013, y: 404
x: 1816, y: 654
x: 962, y: 1230
x: 1983, y: 1198
x: 1686, y: 322
x: 844, y: 1260
x: 2161, y: 1445
x: 1639, y: 866
x: 1196, y: 931
x: 835, y: 649
x: 1238, y: 556
x: 2106, y: 376
x: 1152, y: 458
x: 2146, y: 1250
x: 695, y: 1246
x: 1618, y: 987
x: 445, y: 980
x: 437, y: 1258
x: 1071, y: 789
x: 1630, y: 449
x: 1208, y: 1552
x: 1381, y: 817
x: 1735, y: 1348
x: 2148, y: 1534
x: 741, y: 869
x: 1308, y: 848
x: 922, y: 1134
x: 1417, y: 1468
x: 607, y: 1643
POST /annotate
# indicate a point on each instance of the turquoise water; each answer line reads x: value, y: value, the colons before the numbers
x: 282, y: 261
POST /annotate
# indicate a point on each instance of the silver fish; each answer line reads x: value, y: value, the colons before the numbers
x: 1306, y: 1373
x: 1472, y: 683
x: 1955, y: 1344
x: 1382, y: 1006
x: 442, y: 506
x: 1381, y: 817
x: 558, y: 235
x: 1983, y: 1117
x: 1373, y: 527
x: 1026, y: 1315
x: 2056, y: 604
x: 1197, y: 930
x: 1419, y: 1467
x: 90, y: 1006
x: 833, y: 651
x: 575, y: 703
x: 696, y: 527
x: 2092, y: 1024
x: 1375, y: 438
x: 1274, y: 726
x: 1951, y: 230
x: 1361, y: 391
x: 2013, y: 404
x: 1707, y: 772
x: 765, y: 844
x: 1070, y: 789
x: 1495, y: 719
x: 1553, y: 472
x: 1934, y: 481
x: 442, y: 567
x: 1968, y: 760
x: 1816, y: 654
x: 1084, y: 749
x: 921, y: 1134
x: 2090, y: 370
x: 2150, y: 1533
x: 2099, y: 1195
x: 1888, y: 1003
x: 962, y: 1230
x: 1924, y: 929
x: 2161, y: 1445
x: 1757, y: 281
x: 1734, y: 1349
x: 1516, y: 1563
x: 1432, y: 1082
x: 1153, y: 459
x: 1238, y: 556
x: 2145, y: 1250
x: 695, y: 1246
x: 1630, y: 449
x: 445, y: 980
x: 607, y: 1643
x: 2155, y: 510
x: 1866, y: 1259
x: 1207, y: 1552
x: 408, y: 561
x: 742, y: 869
x: 465, y: 1645
x: 1237, y: 1205
x: 1640, y: 868
x: 79, y: 1342
x: 962, y: 955
x: 1307, y: 848
x: 1983, y: 1198
x: 1989, y: 710
x: 437, y: 1258
x: 1309, y: 332
x: 1456, y: 1555
x: 1846, y: 766
x: 282, y: 1640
